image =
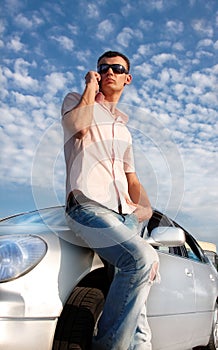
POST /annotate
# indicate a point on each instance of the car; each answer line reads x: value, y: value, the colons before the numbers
x: 213, y: 256
x: 52, y: 288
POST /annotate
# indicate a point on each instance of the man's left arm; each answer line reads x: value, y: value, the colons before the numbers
x: 139, y: 197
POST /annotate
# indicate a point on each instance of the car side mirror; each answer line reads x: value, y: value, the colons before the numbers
x: 167, y: 236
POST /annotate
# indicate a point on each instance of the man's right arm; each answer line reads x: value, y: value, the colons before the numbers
x: 78, y: 120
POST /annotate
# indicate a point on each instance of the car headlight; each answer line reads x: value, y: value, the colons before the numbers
x: 19, y: 254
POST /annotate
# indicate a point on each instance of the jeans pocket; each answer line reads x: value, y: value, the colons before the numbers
x: 131, y: 221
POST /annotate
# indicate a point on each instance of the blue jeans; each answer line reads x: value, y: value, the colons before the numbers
x: 123, y: 324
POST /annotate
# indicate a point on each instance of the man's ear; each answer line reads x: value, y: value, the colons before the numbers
x: 128, y: 79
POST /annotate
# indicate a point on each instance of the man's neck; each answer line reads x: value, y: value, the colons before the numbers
x: 111, y: 106
x: 108, y: 101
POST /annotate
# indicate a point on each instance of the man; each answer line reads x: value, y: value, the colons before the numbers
x: 106, y: 202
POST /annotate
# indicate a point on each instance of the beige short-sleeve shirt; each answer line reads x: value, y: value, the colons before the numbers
x: 97, y: 164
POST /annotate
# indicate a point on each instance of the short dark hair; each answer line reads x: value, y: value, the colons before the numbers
x: 115, y: 54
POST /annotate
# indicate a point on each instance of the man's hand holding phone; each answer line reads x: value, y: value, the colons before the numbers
x: 93, y: 78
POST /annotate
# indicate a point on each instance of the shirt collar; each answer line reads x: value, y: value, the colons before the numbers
x: 120, y: 116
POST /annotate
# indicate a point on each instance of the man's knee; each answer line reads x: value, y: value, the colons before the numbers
x: 148, y: 262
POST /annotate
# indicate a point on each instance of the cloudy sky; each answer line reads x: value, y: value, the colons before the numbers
x: 46, y: 48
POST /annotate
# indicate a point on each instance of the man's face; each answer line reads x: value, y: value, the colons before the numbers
x: 110, y: 80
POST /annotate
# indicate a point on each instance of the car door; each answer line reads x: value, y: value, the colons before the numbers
x: 171, y: 303
x: 205, y: 278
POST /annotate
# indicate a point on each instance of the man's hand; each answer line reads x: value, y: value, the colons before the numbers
x: 139, y: 198
x: 93, y: 78
x: 142, y: 213
x: 78, y: 120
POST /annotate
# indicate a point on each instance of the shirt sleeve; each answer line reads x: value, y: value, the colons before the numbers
x: 70, y: 101
x: 129, y: 164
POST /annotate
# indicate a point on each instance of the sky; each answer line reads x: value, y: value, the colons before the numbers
x: 46, y: 49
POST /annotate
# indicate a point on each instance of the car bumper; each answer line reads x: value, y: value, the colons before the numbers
x: 26, y: 334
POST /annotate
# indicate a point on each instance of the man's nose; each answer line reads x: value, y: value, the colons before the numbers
x: 110, y: 71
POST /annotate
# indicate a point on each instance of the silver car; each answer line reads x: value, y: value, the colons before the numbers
x: 52, y: 289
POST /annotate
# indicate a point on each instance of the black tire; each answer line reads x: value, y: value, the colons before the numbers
x: 77, y: 322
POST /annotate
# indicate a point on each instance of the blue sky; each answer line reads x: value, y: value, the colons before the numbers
x: 46, y: 48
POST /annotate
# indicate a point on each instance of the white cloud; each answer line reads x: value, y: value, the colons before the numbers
x: 145, y: 50
x: 178, y: 46
x: 145, y: 24
x: 127, y: 9
x: 3, y: 85
x: 125, y: 36
x: 55, y: 82
x: 201, y: 164
x: 20, y: 76
x: 32, y: 101
x: 28, y: 23
x: 73, y: 29
x: 174, y: 27
x: 155, y: 4
x: 179, y: 88
x: 201, y: 53
x: 162, y: 58
x: 144, y: 69
x: 92, y: 10
x: 205, y: 42
x: 84, y: 55
x: 164, y: 44
x: 15, y: 44
x: 202, y: 27
x: 164, y: 76
x: 105, y: 28
x: 131, y: 96
x: 203, y: 80
x: 25, y: 120
x: 65, y: 42
x: 209, y: 98
x: 22, y: 128
x: 2, y: 26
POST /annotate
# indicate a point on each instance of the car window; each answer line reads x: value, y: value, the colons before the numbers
x: 190, y: 253
x: 163, y: 249
x: 192, y: 250
x: 213, y: 257
x: 170, y: 250
x: 187, y: 251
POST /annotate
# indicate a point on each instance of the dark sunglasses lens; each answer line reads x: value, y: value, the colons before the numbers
x: 117, y: 68
x: 103, y: 68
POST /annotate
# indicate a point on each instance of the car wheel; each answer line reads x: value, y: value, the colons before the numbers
x: 78, y: 319
x: 213, y: 342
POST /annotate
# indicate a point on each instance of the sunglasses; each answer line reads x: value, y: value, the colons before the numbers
x: 116, y: 68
